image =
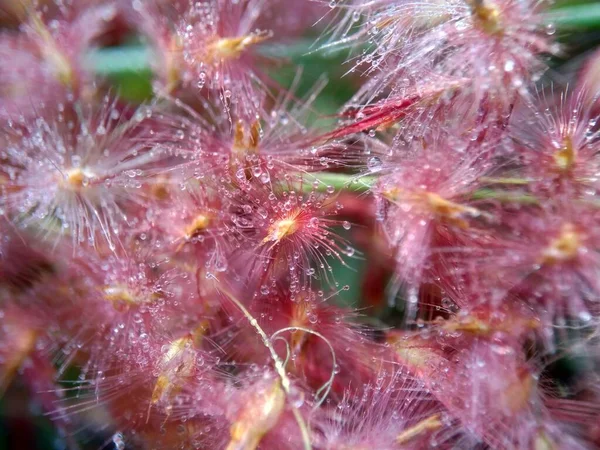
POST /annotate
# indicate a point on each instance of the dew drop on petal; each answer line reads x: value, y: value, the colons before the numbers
x: 374, y: 163
x: 119, y: 441
x: 509, y: 65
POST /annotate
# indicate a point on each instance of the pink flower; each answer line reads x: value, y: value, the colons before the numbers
x: 181, y: 256
x: 161, y: 383
x: 282, y: 229
x: 45, y: 64
x: 545, y: 258
x: 270, y: 145
x: 474, y: 363
x: 76, y: 171
x: 425, y: 202
x: 496, y: 394
x: 557, y: 146
x: 396, y: 413
x: 212, y: 47
x: 497, y: 44
x: 193, y: 227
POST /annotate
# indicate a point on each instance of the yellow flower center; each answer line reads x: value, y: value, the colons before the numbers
x: 77, y: 178
x: 122, y: 298
x: 566, y: 156
x: 232, y: 48
x: 444, y: 209
x: 177, y: 363
x: 281, y: 229
x: 199, y: 224
x: 487, y: 16
x: 564, y: 247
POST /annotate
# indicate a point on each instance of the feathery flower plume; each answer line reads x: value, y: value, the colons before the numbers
x: 401, y: 414
x: 287, y: 230
x: 426, y: 203
x: 178, y: 275
x: 545, y: 258
x: 212, y: 47
x: 557, y: 146
x: 497, y: 44
x: 78, y: 171
x: 44, y: 65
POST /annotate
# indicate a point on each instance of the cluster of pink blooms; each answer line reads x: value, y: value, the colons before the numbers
x: 168, y: 271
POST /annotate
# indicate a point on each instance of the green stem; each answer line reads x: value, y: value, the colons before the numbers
x: 127, y: 68
x: 127, y: 58
x: 358, y: 184
x: 505, y: 197
x: 339, y: 181
x: 108, y: 61
x: 575, y: 17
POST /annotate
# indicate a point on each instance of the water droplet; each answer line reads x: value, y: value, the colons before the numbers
x: 585, y: 316
x: 374, y: 163
x: 201, y: 79
x: 412, y: 296
x: 119, y: 441
x: 265, y: 177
